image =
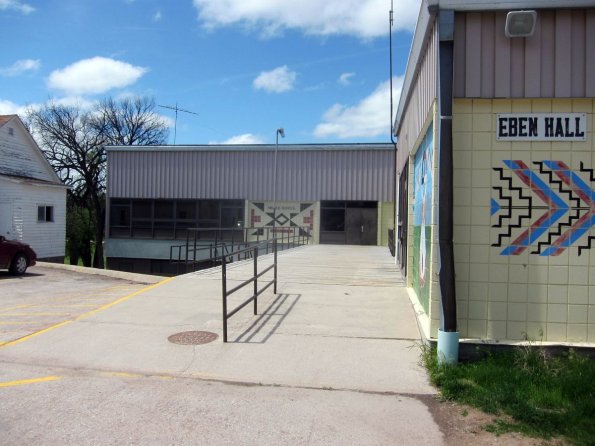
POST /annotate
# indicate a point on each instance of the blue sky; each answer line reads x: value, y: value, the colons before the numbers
x: 318, y: 68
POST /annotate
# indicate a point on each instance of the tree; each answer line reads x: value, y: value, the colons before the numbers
x: 73, y: 140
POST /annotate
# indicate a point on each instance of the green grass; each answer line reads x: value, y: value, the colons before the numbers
x: 528, y: 390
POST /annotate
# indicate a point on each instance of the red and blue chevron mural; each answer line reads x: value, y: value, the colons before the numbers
x: 545, y: 208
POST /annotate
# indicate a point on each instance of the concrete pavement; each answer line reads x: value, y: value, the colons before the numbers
x: 341, y: 321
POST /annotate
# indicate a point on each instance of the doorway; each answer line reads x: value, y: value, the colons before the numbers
x: 349, y: 222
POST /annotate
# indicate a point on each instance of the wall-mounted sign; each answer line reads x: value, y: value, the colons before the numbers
x: 541, y: 127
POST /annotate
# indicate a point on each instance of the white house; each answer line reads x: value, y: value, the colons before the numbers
x: 32, y: 197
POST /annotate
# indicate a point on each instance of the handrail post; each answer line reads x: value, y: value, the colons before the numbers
x: 187, y: 243
x: 275, y: 263
x: 255, y: 280
x: 224, y: 293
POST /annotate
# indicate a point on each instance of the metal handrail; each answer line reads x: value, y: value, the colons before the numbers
x: 254, y: 279
x: 290, y: 237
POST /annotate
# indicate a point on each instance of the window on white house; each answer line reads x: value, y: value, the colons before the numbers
x: 45, y: 213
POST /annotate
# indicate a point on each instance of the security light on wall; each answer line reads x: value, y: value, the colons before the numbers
x: 520, y: 23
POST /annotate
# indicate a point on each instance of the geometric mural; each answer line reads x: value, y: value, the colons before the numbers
x: 285, y: 216
x: 546, y: 208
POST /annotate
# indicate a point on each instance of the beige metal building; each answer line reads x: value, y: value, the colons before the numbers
x: 342, y: 193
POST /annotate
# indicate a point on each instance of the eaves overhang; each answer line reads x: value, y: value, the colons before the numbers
x: 425, y: 21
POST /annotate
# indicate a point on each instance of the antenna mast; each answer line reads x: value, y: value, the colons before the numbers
x: 177, y: 109
x: 390, y: 45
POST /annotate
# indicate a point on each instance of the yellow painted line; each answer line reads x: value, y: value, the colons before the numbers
x: 22, y: 322
x: 29, y: 381
x: 33, y: 313
x: 18, y: 307
x: 89, y: 313
x: 125, y: 298
x: 32, y: 335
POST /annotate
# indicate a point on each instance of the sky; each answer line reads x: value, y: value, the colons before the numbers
x: 244, y: 68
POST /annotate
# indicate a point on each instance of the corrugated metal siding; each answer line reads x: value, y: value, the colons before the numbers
x: 302, y: 175
x: 558, y: 61
x: 421, y: 101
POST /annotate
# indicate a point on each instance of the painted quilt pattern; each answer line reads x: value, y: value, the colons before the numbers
x: 545, y: 207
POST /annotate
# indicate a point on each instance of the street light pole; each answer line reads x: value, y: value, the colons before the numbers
x: 280, y: 131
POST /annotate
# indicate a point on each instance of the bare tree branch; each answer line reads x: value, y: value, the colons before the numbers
x: 73, y: 140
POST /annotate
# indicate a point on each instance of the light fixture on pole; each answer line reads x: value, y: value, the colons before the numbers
x: 280, y: 131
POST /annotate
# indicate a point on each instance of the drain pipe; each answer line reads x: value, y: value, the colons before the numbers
x: 448, y: 335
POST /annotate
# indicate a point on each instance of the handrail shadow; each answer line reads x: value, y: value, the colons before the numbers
x: 259, y: 325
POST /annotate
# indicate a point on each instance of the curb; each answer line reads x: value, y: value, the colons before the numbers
x: 133, y: 277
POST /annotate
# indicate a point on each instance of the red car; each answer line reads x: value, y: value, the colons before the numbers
x: 16, y: 256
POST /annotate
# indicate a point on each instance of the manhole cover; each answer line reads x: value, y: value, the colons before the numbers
x: 193, y: 337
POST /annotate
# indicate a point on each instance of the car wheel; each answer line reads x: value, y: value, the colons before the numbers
x: 18, y: 265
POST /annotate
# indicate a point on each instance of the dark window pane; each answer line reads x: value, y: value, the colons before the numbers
x: 332, y: 220
x: 164, y: 209
x: 362, y: 204
x: 232, y: 203
x: 119, y: 215
x: 332, y: 204
x: 120, y: 232
x: 141, y: 209
x: 186, y: 210
x: 208, y: 223
x: 232, y: 217
x: 40, y: 213
x: 208, y: 210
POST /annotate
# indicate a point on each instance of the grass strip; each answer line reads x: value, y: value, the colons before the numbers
x: 528, y: 390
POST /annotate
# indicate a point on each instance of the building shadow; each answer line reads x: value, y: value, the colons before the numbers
x: 265, y: 325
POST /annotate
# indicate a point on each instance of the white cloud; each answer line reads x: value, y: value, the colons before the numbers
x: 279, y: 80
x: 361, y: 18
x: 20, y: 67
x: 16, y: 5
x: 10, y: 108
x: 246, y: 138
x: 368, y: 118
x: 75, y: 101
x: 94, y: 76
x: 157, y: 16
x: 345, y: 78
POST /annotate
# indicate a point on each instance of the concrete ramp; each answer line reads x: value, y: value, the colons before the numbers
x: 341, y: 319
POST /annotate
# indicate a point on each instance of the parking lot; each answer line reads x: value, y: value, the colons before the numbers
x: 45, y: 297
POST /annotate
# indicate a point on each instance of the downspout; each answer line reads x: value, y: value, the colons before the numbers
x: 448, y: 335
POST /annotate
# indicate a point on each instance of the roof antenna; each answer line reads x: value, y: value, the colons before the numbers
x: 177, y: 109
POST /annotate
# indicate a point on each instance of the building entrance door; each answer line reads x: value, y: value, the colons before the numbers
x: 349, y: 222
x: 361, y: 226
